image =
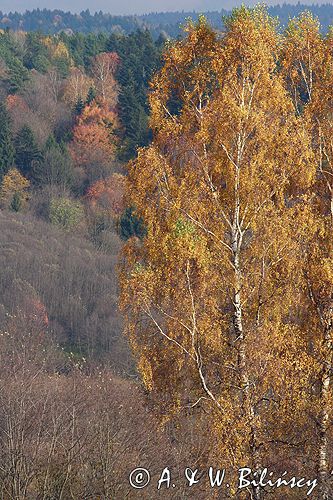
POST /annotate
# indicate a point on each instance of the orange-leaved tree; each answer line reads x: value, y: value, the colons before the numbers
x: 106, y: 196
x: 210, y: 293
x: 307, y: 63
x: 94, y: 141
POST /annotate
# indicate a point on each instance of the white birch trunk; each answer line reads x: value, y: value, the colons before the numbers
x: 323, y: 468
x: 247, y: 406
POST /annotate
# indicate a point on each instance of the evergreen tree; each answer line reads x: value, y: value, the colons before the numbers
x: 131, y: 225
x: 27, y: 153
x: 36, y: 56
x: 62, y: 64
x: 135, y: 121
x: 91, y: 95
x: 17, y: 75
x: 79, y: 106
x: 93, y: 46
x: 140, y: 57
x: 6, y: 142
x: 10, y: 52
x: 16, y: 203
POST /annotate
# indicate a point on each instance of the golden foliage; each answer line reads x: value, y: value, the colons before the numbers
x: 13, y: 183
x: 213, y: 203
x: 235, y: 191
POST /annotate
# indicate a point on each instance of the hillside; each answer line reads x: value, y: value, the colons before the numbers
x: 168, y: 23
x: 166, y: 256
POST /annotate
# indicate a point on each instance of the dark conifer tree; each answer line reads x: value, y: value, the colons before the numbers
x: 79, y: 106
x: 6, y: 142
x: 91, y: 95
x: 27, y: 153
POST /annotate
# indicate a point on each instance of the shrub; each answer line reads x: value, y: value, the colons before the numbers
x: 65, y: 213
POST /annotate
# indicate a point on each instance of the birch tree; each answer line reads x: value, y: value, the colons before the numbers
x: 209, y: 293
x: 309, y: 57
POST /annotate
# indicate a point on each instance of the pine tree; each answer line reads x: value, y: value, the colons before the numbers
x: 16, y: 203
x: 27, y: 153
x: 131, y: 225
x: 6, y: 142
x: 91, y: 95
x: 17, y: 75
x: 79, y: 106
x: 36, y: 56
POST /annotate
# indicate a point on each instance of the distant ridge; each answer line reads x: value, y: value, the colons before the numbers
x: 167, y: 23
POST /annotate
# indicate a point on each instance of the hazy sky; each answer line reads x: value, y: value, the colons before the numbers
x: 129, y: 6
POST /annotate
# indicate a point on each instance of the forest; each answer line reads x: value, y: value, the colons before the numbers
x: 166, y: 283
x: 167, y: 24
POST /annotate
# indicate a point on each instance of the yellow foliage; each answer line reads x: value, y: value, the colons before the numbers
x: 239, y: 237
x: 56, y: 49
x: 13, y: 182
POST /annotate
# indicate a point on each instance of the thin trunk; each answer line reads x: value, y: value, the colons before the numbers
x: 325, y: 381
x: 247, y: 406
x: 324, y: 396
x: 325, y: 404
